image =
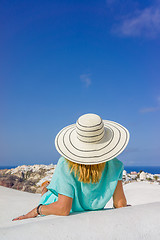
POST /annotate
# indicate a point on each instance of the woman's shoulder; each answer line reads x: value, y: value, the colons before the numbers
x: 115, y: 163
x: 61, y: 160
x: 62, y: 165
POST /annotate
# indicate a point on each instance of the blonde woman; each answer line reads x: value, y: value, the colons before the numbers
x: 88, y: 173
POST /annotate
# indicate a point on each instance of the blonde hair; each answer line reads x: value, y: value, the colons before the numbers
x: 86, y: 173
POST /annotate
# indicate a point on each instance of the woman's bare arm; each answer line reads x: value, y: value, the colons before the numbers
x: 62, y: 207
x: 119, y: 199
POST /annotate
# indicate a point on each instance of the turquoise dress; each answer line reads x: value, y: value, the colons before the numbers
x: 86, y: 196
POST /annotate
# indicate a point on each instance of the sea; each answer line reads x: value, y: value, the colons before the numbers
x: 148, y: 169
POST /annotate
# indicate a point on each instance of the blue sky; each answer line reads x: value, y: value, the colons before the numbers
x: 62, y: 59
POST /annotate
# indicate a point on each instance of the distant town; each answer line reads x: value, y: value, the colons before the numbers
x: 30, y: 177
x: 140, y: 176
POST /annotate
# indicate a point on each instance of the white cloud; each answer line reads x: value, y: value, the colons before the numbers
x: 144, y: 22
x: 149, y: 109
x: 152, y: 109
x: 85, y: 78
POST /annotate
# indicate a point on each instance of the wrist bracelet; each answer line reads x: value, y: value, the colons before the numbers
x: 38, y: 209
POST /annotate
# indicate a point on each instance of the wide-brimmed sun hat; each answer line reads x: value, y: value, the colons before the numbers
x: 92, y: 140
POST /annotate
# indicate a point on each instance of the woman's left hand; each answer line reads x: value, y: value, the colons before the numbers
x: 33, y: 213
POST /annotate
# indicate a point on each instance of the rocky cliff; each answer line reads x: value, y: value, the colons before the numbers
x: 26, y: 177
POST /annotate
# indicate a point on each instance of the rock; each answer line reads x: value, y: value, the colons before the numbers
x: 26, y: 178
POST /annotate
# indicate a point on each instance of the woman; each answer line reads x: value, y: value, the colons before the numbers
x: 88, y: 173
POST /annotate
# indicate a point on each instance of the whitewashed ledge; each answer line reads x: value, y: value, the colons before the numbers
x: 141, y: 221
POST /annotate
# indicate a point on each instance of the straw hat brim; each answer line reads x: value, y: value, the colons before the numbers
x: 114, y: 141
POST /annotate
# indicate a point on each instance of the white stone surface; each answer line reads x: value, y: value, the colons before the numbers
x: 141, y: 221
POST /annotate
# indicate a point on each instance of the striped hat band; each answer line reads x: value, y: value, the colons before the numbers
x: 90, y: 133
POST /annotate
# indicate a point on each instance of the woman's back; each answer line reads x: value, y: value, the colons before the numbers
x: 86, y: 196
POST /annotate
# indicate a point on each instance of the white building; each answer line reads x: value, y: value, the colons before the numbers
x: 124, y: 173
x: 143, y: 176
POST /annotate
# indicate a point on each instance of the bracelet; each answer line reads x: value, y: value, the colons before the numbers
x: 38, y: 209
